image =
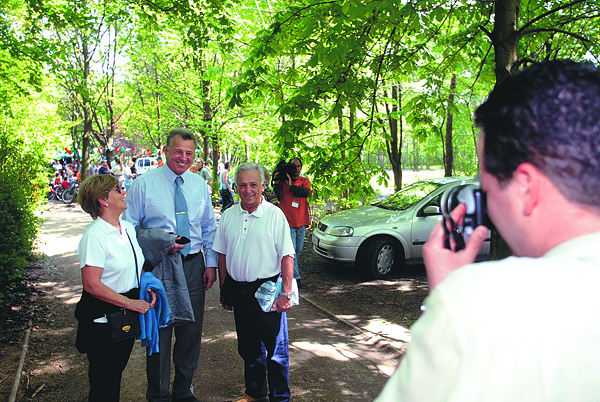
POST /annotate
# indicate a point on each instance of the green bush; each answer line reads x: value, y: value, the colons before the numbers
x: 21, y: 175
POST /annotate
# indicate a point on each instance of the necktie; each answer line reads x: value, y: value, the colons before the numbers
x: 181, y: 214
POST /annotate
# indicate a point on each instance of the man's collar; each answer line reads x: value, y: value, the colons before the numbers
x: 258, y: 212
x: 170, y: 175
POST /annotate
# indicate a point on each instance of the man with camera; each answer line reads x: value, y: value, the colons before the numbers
x: 525, y: 328
x: 293, y: 192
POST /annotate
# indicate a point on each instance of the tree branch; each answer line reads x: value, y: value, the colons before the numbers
x: 581, y: 38
x: 549, y: 12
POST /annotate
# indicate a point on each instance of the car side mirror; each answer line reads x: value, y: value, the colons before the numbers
x: 432, y: 210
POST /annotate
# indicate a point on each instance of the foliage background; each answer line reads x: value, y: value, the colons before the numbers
x: 354, y: 87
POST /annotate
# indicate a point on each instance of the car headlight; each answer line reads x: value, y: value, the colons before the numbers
x: 340, y: 231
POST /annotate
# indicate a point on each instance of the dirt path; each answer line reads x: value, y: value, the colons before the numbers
x: 329, y: 361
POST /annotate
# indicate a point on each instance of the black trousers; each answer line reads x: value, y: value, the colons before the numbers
x: 227, y: 199
x: 107, y: 360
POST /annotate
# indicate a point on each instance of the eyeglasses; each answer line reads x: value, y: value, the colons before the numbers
x: 117, y: 189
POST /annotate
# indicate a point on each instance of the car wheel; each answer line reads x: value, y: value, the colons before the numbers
x: 380, y: 258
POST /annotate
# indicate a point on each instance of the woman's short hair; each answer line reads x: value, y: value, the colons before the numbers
x: 93, y: 189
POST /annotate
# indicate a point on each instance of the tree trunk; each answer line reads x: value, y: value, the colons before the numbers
x: 207, y: 115
x: 415, y: 153
x: 505, y: 39
x: 449, y: 155
x: 340, y: 121
x: 215, y: 163
x: 394, y: 146
x: 86, y: 136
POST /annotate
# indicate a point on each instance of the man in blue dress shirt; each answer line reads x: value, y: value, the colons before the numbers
x: 151, y: 204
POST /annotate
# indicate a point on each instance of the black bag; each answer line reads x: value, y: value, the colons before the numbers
x: 124, y: 324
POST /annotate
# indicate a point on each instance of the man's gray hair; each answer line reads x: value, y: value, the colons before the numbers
x: 249, y: 166
x: 184, y: 133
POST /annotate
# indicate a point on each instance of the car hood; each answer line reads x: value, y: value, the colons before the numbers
x: 366, y: 216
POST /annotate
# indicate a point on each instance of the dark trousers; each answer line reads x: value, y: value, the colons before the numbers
x: 227, y: 199
x: 186, y: 350
x: 107, y: 360
x: 259, y: 332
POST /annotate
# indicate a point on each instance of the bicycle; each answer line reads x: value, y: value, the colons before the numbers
x: 70, y: 194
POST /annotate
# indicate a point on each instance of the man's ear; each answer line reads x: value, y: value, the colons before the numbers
x: 527, y: 178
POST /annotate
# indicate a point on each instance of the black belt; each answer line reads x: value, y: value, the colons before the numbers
x: 190, y: 256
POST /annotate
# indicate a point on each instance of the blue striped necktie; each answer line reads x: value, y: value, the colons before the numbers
x: 181, y: 214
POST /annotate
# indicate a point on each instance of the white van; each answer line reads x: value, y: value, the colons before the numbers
x: 145, y: 164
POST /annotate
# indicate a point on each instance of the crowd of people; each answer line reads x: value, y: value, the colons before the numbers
x: 488, y: 332
x: 125, y: 173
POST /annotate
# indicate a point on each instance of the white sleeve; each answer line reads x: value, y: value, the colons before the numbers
x: 430, y: 368
x: 92, y: 251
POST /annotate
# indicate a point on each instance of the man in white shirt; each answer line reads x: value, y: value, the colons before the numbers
x: 151, y: 204
x: 525, y: 328
x: 254, y: 245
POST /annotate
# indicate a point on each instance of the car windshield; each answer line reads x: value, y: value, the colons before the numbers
x: 408, y: 196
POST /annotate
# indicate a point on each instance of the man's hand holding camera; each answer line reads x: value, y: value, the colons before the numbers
x: 440, y: 261
x: 276, y: 178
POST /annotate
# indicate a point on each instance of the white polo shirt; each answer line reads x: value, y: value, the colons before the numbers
x: 254, y: 244
x: 103, y: 246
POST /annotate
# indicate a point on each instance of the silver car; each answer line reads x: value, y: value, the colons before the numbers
x: 388, y: 233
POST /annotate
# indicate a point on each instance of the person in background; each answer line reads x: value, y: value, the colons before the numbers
x: 203, y: 171
x: 129, y: 175
x: 110, y: 282
x: 104, y: 168
x: 172, y: 198
x: 134, y: 167
x: 292, y: 193
x: 119, y: 171
x: 250, y: 232
x: 93, y: 169
x: 225, y: 187
x: 489, y: 331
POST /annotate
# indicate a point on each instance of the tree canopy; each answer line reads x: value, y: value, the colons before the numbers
x: 353, y: 86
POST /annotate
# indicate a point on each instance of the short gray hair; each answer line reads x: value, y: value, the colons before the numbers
x: 246, y: 166
x: 184, y: 133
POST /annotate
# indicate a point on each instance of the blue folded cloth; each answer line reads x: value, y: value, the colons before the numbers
x: 155, y: 318
x: 269, y: 291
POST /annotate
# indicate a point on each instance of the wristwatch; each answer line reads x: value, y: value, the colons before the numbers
x: 288, y: 295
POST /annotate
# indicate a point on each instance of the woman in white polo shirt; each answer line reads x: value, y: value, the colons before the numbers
x: 110, y: 276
